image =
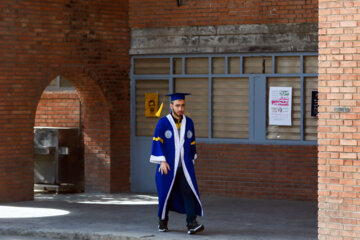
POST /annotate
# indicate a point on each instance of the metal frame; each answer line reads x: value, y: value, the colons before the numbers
x: 257, y: 85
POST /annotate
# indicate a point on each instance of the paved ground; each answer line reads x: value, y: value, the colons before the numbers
x: 133, y: 216
x: 21, y: 238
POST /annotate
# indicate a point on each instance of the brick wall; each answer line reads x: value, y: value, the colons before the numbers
x: 87, y: 42
x: 215, y: 26
x: 58, y: 109
x: 257, y: 171
x: 153, y: 13
x: 338, y: 131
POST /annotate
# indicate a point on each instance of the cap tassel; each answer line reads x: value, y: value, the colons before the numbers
x: 157, y: 114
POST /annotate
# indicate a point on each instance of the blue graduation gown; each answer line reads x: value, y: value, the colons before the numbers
x: 168, y: 146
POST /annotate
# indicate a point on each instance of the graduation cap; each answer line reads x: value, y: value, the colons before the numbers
x: 173, y: 97
x: 177, y: 96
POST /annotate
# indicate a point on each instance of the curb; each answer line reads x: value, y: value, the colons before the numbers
x: 68, y: 235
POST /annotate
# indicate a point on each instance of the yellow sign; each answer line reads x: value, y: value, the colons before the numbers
x: 151, y: 104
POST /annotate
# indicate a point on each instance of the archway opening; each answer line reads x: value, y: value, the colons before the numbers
x: 72, y: 136
x: 58, y: 139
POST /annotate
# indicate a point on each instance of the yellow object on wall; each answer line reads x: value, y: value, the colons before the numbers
x: 151, y: 104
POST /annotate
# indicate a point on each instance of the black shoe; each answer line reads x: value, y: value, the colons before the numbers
x: 163, y: 226
x: 195, y: 227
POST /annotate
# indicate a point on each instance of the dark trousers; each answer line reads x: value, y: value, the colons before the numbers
x: 187, y: 195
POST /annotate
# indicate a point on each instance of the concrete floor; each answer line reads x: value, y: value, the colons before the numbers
x: 133, y: 216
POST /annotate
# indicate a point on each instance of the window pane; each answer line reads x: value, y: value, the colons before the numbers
x: 287, y: 64
x: 310, y: 64
x: 230, y: 108
x: 197, y: 66
x: 53, y: 82
x: 64, y: 82
x: 218, y: 65
x: 152, y: 66
x: 310, y: 123
x: 234, y: 65
x: 177, y: 62
x: 197, y: 104
x: 257, y: 65
x: 145, y: 126
x: 286, y: 132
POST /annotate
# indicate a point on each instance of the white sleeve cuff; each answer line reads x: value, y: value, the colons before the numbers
x: 195, y: 157
x: 157, y: 159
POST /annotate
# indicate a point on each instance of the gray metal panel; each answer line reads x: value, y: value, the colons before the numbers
x: 210, y: 108
x: 46, y: 155
x: 260, y: 108
x: 302, y: 97
x: 142, y: 171
x: 251, y: 109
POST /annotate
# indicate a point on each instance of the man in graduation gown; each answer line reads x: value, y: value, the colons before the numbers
x: 174, y: 150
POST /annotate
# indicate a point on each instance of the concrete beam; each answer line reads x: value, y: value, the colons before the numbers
x: 252, y: 38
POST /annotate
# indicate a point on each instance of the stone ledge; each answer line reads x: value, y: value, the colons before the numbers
x: 226, y: 39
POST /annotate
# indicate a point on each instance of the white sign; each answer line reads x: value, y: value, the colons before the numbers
x: 280, y: 106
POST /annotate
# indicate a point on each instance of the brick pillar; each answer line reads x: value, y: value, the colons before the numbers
x: 338, y: 131
x: 87, y: 42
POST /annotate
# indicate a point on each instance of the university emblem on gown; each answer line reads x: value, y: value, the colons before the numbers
x: 168, y: 134
x: 189, y: 134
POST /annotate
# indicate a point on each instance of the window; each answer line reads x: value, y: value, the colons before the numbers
x: 257, y: 65
x: 60, y: 83
x: 152, y: 66
x: 197, y: 104
x: 230, y: 108
x: 229, y: 94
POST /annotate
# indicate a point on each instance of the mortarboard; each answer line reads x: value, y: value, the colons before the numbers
x: 173, y: 97
x: 177, y: 96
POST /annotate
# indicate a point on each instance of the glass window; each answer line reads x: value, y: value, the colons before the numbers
x: 197, y: 104
x: 64, y: 82
x: 60, y: 83
x: 257, y: 65
x: 53, y: 82
x: 288, y: 64
x: 152, y: 66
x: 218, y: 65
x: 197, y: 65
x: 234, y: 65
x: 310, y: 64
x: 230, y: 108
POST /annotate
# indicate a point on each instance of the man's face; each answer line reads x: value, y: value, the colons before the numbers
x: 178, y: 107
x: 151, y: 106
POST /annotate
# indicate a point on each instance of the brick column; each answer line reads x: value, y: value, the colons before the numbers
x: 338, y: 131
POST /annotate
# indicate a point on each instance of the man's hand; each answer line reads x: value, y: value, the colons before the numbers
x: 164, y: 168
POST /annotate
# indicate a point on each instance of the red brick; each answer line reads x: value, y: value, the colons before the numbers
x: 67, y: 39
x: 195, y: 13
x: 249, y: 166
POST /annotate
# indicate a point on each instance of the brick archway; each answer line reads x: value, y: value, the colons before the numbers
x: 95, y: 121
x: 87, y: 43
